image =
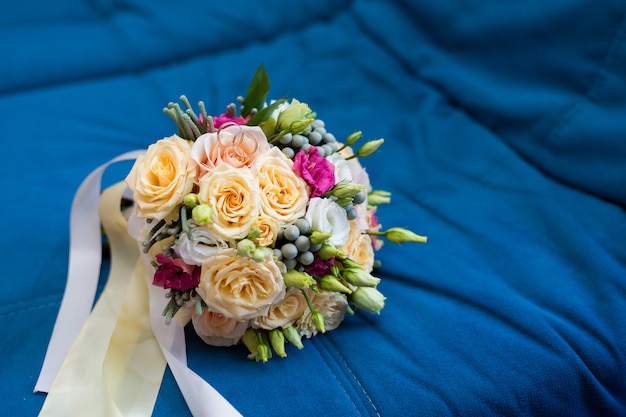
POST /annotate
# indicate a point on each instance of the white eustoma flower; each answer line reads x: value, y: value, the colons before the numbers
x: 327, y: 216
x: 342, y: 167
x: 197, y: 247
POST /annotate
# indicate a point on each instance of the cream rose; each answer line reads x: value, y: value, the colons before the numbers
x: 327, y: 216
x: 235, y: 145
x: 284, y: 313
x: 215, y: 329
x: 333, y: 307
x: 233, y: 193
x: 239, y: 287
x: 160, y: 179
x: 284, y: 194
x: 269, y: 230
x: 359, y: 247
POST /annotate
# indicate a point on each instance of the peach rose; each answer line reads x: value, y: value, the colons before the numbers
x: 269, y: 230
x: 359, y: 247
x: 239, y: 287
x: 284, y: 194
x: 233, y: 193
x: 333, y: 307
x: 284, y: 313
x: 160, y: 179
x: 215, y: 329
x: 234, y: 145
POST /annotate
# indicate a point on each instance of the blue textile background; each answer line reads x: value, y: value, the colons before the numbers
x: 505, y: 144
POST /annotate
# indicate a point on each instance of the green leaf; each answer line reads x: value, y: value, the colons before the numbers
x: 257, y: 91
x: 260, y: 116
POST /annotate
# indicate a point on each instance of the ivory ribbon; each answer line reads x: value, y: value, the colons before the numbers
x: 115, y: 366
x: 111, y: 362
x: 82, y: 275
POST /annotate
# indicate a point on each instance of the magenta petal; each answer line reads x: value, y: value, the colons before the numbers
x: 316, y: 171
x: 175, y: 274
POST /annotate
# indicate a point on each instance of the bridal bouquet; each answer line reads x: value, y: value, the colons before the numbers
x: 259, y: 224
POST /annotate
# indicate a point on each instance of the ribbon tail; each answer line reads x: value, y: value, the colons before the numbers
x: 115, y: 366
x: 201, y: 398
x: 83, y: 272
x: 134, y: 364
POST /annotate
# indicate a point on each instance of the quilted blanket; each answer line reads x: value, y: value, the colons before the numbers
x: 505, y: 135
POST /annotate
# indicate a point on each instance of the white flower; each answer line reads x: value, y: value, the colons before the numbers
x: 202, y: 244
x: 331, y: 305
x: 342, y: 167
x: 327, y: 216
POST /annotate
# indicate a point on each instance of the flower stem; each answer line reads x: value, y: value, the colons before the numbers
x: 151, y: 234
x: 308, y: 300
x: 183, y: 220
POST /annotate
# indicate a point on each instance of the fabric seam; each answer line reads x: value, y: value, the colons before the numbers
x: 328, y: 344
x: 337, y: 379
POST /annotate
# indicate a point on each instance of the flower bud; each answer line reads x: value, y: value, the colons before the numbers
x: 277, y: 340
x: 191, y: 200
x: 400, y: 235
x: 300, y: 126
x: 328, y: 251
x: 259, y: 255
x: 318, y: 237
x: 368, y: 299
x: 349, y: 263
x: 359, y: 277
x: 369, y: 148
x: 256, y: 342
x: 293, y: 337
x: 249, y: 339
x: 377, y: 197
x: 298, y: 279
x: 345, y: 190
x: 245, y: 248
x: 318, y: 321
x: 294, y: 118
x: 255, y: 232
x: 331, y: 283
x: 202, y: 214
x: 264, y: 350
x: 353, y: 138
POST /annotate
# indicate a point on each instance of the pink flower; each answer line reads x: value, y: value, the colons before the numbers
x: 176, y: 274
x: 320, y: 267
x: 317, y: 171
x: 227, y: 118
x: 374, y: 226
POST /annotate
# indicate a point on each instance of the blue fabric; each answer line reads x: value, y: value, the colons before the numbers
x: 505, y: 144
